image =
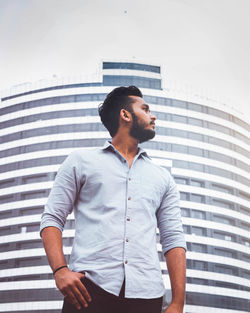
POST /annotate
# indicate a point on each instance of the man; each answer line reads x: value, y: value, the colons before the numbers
x: 119, y: 197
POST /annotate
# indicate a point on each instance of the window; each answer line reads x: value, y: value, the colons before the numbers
x: 199, y: 231
x: 195, y: 151
x: 198, y: 214
x: 112, y: 80
x: 131, y: 66
x: 194, y: 107
x: 197, y: 183
x: 179, y: 148
x: 224, y: 252
x: 222, y: 203
x: 199, y: 265
x: 180, y: 180
x: 198, y: 247
x: 179, y: 104
x: 197, y: 198
x: 219, y: 113
x: 225, y: 269
x: 179, y: 118
x: 224, y: 236
x: 245, y: 225
x: 195, y: 121
x: 223, y: 219
x: 183, y: 195
x: 185, y: 212
x: 222, y: 188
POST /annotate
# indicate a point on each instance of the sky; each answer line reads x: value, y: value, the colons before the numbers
x: 200, y: 44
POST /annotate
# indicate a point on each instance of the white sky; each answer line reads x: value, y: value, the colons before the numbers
x: 202, y: 44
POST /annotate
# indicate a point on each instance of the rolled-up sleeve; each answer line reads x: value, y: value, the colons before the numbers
x: 169, y: 219
x: 63, y: 194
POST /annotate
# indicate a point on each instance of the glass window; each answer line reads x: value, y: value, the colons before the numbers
x: 199, y: 231
x: 197, y: 183
x: 197, y: 198
x: 244, y: 195
x: 179, y: 148
x: 199, y: 265
x: 223, y: 219
x: 179, y: 104
x: 179, y: 133
x: 34, y: 194
x: 180, y: 164
x: 222, y: 203
x: 195, y: 151
x: 222, y: 188
x: 131, y: 66
x: 185, y: 212
x: 198, y: 247
x: 225, y: 269
x: 195, y: 121
x: 219, y: 128
x: 179, y: 118
x: 195, y: 136
x: 219, y: 113
x: 181, y: 180
x: 242, y: 137
x: 31, y: 211
x: 245, y: 210
x: 194, y: 107
x: 245, y: 225
x: 183, y: 195
x: 7, y: 183
x: 196, y: 167
x: 112, y: 80
x: 224, y: 236
x: 241, y: 123
x: 198, y: 214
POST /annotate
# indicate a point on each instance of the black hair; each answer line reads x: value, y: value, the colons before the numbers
x: 114, y: 102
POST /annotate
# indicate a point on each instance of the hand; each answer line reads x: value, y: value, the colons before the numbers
x: 70, y: 285
x: 174, y: 308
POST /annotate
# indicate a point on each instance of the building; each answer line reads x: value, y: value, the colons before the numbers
x: 204, y: 144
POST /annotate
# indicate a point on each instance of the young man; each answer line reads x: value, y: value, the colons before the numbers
x: 119, y: 197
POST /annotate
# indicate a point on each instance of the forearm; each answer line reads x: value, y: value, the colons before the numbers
x: 69, y: 283
x: 52, y: 241
x: 176, y: 263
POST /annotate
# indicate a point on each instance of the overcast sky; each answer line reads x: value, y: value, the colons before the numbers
x: 203, y: 44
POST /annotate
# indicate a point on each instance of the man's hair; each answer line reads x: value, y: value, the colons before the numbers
x: 115, y: 101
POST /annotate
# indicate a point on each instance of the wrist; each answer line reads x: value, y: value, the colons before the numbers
x: 178, y: 305
x: 59, y: 268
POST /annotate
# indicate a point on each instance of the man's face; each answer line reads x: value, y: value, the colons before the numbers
x: 143, y: 123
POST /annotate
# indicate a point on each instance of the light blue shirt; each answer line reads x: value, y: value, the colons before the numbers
x: 117, y: 210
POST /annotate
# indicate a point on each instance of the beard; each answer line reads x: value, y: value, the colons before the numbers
x: 139, y: 132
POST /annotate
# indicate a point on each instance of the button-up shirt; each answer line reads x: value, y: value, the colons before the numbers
x: 117, y: 210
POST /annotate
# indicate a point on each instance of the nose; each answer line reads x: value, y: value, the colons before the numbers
x: 152, y: 116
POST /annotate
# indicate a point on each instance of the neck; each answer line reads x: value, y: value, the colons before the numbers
x: 126, y: 145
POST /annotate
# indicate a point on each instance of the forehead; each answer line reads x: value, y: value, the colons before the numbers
x: 137, y: 101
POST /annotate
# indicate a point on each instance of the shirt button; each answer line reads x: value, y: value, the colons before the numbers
x: 127, y: 240
x: 126, y: 262
x: 128, y: 219
x: 129, y: 198
x: 129, y: 179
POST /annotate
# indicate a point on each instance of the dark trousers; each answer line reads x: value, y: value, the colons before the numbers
x: 105, y: 302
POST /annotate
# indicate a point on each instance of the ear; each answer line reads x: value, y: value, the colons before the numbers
x: 125, y: 115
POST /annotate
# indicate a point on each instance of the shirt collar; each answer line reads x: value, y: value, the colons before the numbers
x: 108, y: 145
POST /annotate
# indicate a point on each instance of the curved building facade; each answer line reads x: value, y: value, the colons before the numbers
x: 205, y: 146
